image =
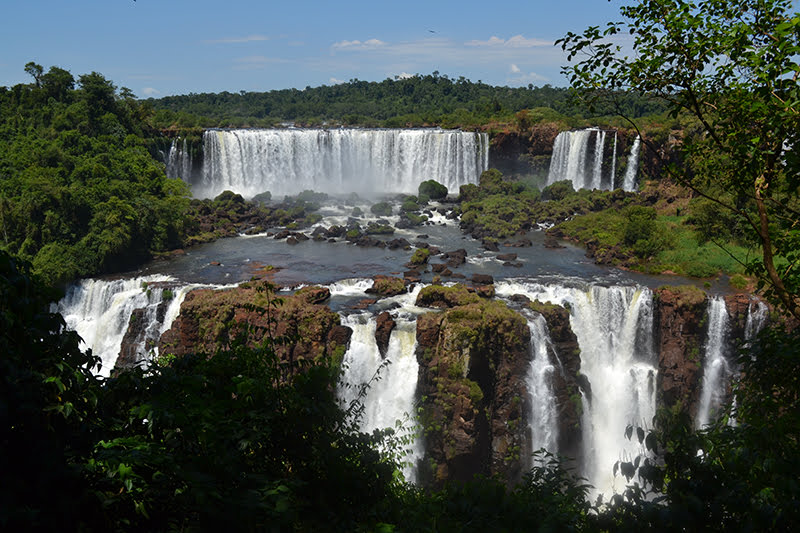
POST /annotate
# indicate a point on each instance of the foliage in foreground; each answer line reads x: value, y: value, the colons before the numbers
x: 731, y: 65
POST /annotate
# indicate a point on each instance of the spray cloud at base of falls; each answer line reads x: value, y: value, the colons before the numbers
x: 336, y: 161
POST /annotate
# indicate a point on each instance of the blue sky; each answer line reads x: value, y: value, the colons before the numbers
x: 164, y: 47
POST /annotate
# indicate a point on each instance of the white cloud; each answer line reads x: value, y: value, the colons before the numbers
x: 524, y: 79
x: 517, y: 41
x: 149, y: 91
x: 247, y: 39
x: 514, y: 68
x: 369, y: 44
x: 403, y: 76
x: 335, y: 81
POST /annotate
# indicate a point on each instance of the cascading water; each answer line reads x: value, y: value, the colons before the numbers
x: 100, y: 312
x: 570, y: 151
x: 614, y: 328
x: 583, y: 162
x: 716, y: 368
x: 388, y: 400
x: 542, y: 418
x: 288, y: 161
x: 757, y: 313
x: 179, y: 160
x: 597, y: 170
x: 629, y: 182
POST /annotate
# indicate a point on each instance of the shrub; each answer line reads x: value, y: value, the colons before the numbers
x: 433, y: 189
x: 382, y: 209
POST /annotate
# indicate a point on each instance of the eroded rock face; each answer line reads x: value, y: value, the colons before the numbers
x: 680, y: 337
x: 473, y: 361
x: 212, y: 319
x: 384, y: 324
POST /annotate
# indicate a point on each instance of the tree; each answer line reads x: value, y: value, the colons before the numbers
x: 34, y: 70
x: 733, y: 67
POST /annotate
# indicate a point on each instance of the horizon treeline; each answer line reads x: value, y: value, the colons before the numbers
x: 419, y: 100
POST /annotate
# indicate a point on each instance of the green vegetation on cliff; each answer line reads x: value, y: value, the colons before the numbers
x: 80, y: 193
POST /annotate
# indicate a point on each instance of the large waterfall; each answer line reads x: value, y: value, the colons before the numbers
x: 584, y: 158
x: 366, y: 161
x: 614, y: 329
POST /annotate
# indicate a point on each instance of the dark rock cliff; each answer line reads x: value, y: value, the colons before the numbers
x: 680, y: 333
x: 212, y: 319
x: 473, y: 361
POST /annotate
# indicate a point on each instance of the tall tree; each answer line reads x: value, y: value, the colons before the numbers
x: 732, y: 65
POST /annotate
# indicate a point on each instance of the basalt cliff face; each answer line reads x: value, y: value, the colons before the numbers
x: 212, y: 319
x: 680, y: 335
x: 473, y: 359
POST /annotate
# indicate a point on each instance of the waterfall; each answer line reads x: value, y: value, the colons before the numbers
x: 757, y: 313
x: 179, y: 160
x: 100, y: 312
x: 716, y: 368
x: 366, y: 161
x: 597, y: 171
x: 542, y: 417
x: 629, y: 183
x: 570, y: 151
x: 389, y: 400
x: 613, y: 179
x: 578, y: 160
x: 614, y: 328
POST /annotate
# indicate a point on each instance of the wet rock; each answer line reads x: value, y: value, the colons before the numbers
x: 384, y: 324
x: 490, y: 246
x: 386, y: 286
x: 438, y: 267
x: 680, y: 336
x: 506, y: 257
x: 282, y: 234
x: 515, y: 264
x: 394, y: 244
x: 482, y: 279
x: 473, y: 361
x: 551, y: 242
x: 363, y: 303
x: 455, y: 258
x: 521, y: 243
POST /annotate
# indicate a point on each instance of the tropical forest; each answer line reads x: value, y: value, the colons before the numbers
x: 426, y: 303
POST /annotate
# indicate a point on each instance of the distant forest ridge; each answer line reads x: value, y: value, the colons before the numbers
x: 418, y: 100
